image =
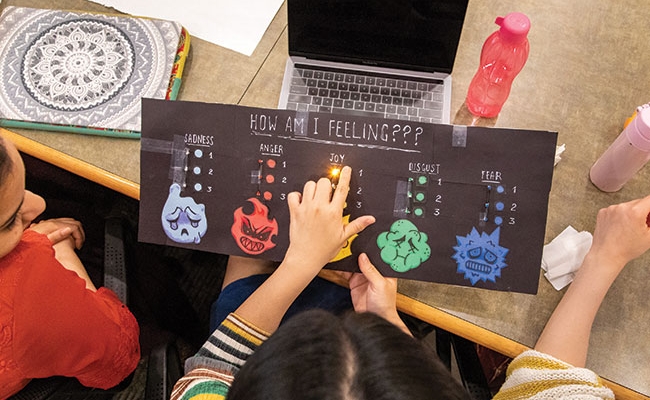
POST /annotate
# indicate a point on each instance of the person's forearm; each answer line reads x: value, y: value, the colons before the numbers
x: 566, y: 334
x: 266, y: 307
x: 68, y: 258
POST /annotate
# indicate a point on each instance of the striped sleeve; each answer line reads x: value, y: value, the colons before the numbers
x: 535, y: 375
x: 209, y: 373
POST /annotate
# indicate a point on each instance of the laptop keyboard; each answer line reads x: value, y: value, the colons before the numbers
x: 365, y: 94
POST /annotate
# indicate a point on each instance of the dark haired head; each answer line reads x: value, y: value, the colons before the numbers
x: 5, y: 161
x: 316, y: 355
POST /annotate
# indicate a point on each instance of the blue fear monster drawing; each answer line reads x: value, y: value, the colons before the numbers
x: 479, y: 256
x: 404, y: 247
x: 182, y: 219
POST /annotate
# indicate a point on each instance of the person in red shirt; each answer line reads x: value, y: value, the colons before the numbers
x: 53, y: 320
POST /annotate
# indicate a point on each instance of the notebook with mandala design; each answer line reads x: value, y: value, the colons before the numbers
x: 85, y: 72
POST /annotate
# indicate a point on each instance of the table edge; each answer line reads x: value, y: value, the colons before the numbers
x: 74, y: 165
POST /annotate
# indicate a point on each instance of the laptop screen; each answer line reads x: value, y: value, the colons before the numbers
x: 409, y: 34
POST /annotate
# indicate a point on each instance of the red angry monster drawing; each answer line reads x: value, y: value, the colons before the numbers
x: 254, y: 232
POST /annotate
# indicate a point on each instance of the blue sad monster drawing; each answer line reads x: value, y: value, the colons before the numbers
x: 404, y: 247
x: 479, y: 256
x: 182, y: 219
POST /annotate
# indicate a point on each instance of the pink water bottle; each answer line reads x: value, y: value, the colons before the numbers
x: 503, y: 55
x: 625, y: 157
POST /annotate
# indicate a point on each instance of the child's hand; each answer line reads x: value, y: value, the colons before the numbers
x: 371, y: 292
x: 66, y: 235
x: 61, y: 229
x: 622, y: 233
x: 317, y: 232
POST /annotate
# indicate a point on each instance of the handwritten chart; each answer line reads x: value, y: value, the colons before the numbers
x: 454, y: 204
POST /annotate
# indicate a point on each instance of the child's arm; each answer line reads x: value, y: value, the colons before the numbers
x: 66, y: 255
x: 66, y: 235
x: 316, y: 235
x: 621, y: 235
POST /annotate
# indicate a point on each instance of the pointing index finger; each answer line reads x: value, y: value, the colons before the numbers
x: 343, y: 186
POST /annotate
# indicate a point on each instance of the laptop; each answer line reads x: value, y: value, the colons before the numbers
x: 379, y: 58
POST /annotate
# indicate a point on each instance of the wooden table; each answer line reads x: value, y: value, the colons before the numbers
x: 587, y: 71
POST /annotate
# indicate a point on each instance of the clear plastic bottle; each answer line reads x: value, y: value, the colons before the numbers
x: 626, y: 156
x: 503, y: 55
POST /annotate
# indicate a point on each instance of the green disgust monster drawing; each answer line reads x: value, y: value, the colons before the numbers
x: 404, y: 247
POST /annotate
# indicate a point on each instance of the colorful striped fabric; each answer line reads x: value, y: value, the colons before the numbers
x: 535, y: 375
x: 210, y: 372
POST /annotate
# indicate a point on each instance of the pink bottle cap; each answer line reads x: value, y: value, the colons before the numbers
x: 638, y: 131
x: 514, y: 26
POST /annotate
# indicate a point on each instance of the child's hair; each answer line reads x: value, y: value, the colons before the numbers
x: 5, y: 161
x: 360, y: 356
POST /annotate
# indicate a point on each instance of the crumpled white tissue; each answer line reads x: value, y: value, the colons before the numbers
x: 562, y: 257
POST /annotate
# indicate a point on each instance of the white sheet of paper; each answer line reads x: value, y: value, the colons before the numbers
x: 235, y: 24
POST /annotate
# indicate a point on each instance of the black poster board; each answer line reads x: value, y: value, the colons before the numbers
x: 454, y: 204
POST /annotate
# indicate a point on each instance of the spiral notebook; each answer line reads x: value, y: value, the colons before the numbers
x: 84, y: 72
